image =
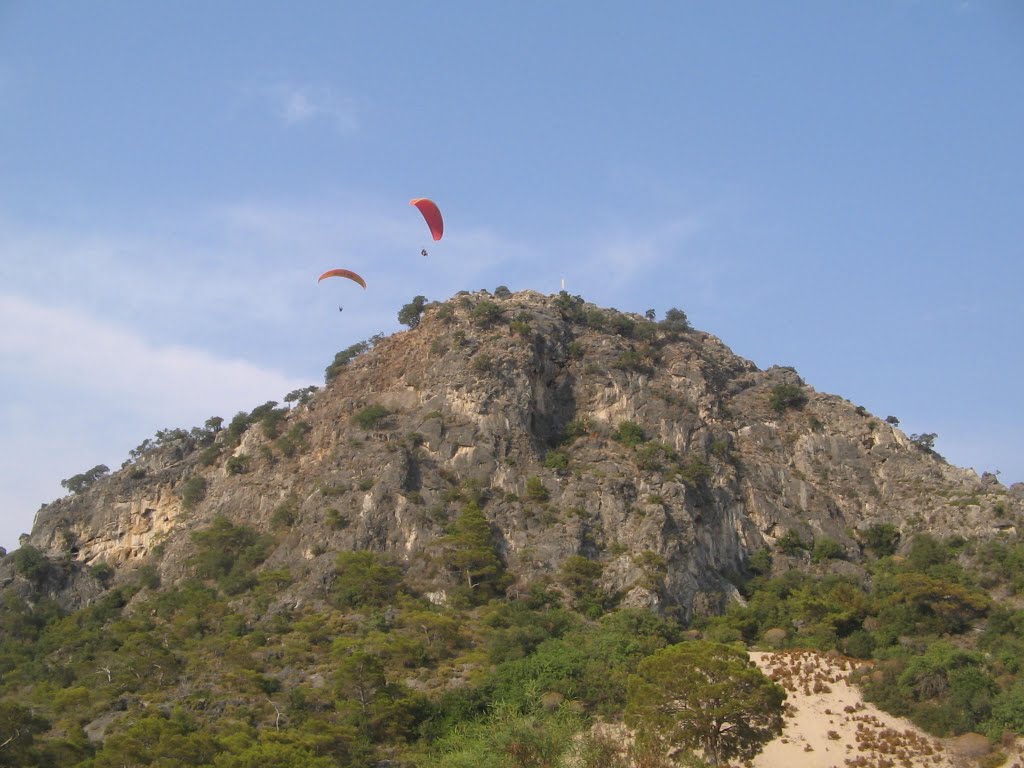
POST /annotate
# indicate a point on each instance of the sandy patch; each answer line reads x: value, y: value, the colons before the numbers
x: 828, y: 724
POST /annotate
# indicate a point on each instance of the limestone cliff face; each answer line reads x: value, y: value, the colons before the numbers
x: 113, y: 525
x: 521, y: 402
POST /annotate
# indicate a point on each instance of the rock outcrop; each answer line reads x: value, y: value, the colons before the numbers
x: 649, y: 447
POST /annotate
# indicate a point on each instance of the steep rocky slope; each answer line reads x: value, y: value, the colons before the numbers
x: 650, y: 447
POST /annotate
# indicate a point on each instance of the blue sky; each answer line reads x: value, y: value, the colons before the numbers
x: 831, y: 186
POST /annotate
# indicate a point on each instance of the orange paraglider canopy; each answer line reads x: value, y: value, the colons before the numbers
x: 432, y: 215
x: 343, y: 273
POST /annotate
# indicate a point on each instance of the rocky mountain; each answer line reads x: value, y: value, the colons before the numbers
x: 579, y: 431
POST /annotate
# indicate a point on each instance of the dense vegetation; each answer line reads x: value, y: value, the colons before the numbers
x: 944, y: 623
x: 213, y: 671
x: 220, y: 669
x: 210, y: 672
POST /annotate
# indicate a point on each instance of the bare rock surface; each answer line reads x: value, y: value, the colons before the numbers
x: 519, y: 402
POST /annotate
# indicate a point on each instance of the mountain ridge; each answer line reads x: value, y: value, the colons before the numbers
x: 648, y: 447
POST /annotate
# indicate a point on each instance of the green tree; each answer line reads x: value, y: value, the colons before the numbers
x: 229, y: 553
x: 511, y: 737
x: 581, y: 576
x: 301, y: 396
x: 157, y: 740
x: 675, y: 321
x: 917, y: 603
x: 926, y: 441
x: 79, y: 483
x: 706, y: 696
x: 18, y: 729
x: 31, y: 563
x: 470, y: 552
x: 1008, y: 711
x: 411, y: 313
x: 882, y: 539
x: 364, y: 578
x: 949, y: 688
x: 269, y: 754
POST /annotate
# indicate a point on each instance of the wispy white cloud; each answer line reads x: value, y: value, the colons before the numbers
x: 78, y: 391
x: 660, y: 256
x: 630, y: 251
x: 68, y: 348
x: 297, y: 104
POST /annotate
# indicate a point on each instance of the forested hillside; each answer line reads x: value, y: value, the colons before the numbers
x: 485, y: 535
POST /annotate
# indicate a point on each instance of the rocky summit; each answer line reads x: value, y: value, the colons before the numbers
x: 644, y: 445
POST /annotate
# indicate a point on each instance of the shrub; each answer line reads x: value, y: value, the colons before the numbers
x: 775, y: 637
x: 237, y: 426
x: 593, y: 317
x: 621, y: 324
x: 695, y: 470
x: 521, y: 324
x: 103, y: 572
x: 336, y: 520
x: 371, y: 416
x: 341, y: 359
x: 284, y: 514
x: 654, y: 569
x: 193, y: 491
x: 228, y: 554
x: 485, y: 313
x: 270, y: 421
x: 445, y: 313
x: 827, y: 549
x: 581, y: 576
x: 790, y: 543
x: 787, y: 396
x: 482, y: 363
x: 364, y: 578
x: 568, y: 305
x: 237, y: 465
x: 31, y: 563
x: 577, y: 428
x: 629, y: 433
x: 535, y: 490
x: 557, y: 460
x: 631, y: 360
x: 294, y: 439
x: 760, y: 562
x: 651, y: 457
x: 882, y: 539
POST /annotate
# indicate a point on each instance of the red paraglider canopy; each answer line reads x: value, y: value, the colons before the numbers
x: 432, y: 215
x: 343, y: 273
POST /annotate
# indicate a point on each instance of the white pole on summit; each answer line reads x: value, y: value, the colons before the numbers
x: 563, y: 283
